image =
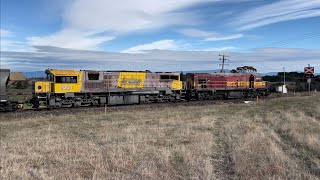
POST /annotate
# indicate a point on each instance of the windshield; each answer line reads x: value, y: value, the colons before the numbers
x: 50, y: 77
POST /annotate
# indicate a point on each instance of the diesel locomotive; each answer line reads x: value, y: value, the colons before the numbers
x: 202, y: 86
x: 71, y: 88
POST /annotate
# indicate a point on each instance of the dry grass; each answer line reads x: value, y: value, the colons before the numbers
x: 274, y: 139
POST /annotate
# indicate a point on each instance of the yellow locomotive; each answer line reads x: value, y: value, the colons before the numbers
x: 67, y: 88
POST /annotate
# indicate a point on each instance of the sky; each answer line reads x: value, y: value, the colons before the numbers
x: 159, y: 35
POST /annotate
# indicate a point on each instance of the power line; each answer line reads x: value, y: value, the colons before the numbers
x: 293, y: 39
x: 223, y: 62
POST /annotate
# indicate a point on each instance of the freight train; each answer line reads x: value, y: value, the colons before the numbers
x: 72, y: 88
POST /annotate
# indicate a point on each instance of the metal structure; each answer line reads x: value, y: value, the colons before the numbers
x: 7, y: 77
x: 309, y: 73
x: 224, y: 59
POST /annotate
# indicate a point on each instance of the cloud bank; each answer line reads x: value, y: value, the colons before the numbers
x: 265, y: 59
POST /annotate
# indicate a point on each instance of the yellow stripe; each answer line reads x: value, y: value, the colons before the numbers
x: 176, y: 85
x: 245, y: 83
x: 131, y: 79
x: 239, y: 83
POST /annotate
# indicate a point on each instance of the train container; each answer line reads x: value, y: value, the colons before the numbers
x: 7, y: 78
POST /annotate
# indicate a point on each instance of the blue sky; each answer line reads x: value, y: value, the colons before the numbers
x: 160, y: 35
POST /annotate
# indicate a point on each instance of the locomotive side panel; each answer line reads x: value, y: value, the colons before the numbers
x: 130, y: 81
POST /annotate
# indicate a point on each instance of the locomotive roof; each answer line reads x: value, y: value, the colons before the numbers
x: 226, y: 74
x: 61, y: 72
x: 57, y: 72
x: 129, y: 71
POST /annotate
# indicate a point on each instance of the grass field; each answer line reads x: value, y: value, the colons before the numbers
x: 272, y: 139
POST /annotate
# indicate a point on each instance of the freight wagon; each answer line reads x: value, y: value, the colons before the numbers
x: 7, y: 78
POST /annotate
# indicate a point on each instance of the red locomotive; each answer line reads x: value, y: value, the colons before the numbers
x: 202, y: 86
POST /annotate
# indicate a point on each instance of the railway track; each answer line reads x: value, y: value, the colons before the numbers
x: 148, y: 106
x: 94, y: 109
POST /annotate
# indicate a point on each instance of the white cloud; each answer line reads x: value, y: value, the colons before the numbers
x: 208, y: 36
x: 69, y: 38
x: 9, y: 45
x: 129, y: 15
x: 171, y: 45
x: 227, y: 48
x: 115, y: 18
x: 192, y: 32
x: 4, y: 43
x: 5, y: 33
x: 158, y: 45
x: 222, y: 38
x: 277, y: 12
x: 265, y: 60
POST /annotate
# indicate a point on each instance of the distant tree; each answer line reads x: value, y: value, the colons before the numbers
x: 246, y: 69
x: 233, y: 71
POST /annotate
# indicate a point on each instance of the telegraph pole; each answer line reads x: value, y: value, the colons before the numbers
x: 284, y: 76
x: 309, y: 82
x: 223, y: 59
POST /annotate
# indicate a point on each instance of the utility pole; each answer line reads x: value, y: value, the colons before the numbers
x: 223, y: 62
x: 284, y: 88
x: 284, y: 77
x: 309, y: 82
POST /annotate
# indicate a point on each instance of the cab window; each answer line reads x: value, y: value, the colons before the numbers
x: 168, y: 77
x: 50, y: 77
x: 259, y: 79
x: 66, y: 79
x: 93, y: 76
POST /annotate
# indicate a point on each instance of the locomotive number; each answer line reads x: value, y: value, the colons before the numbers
x: 65, y: 87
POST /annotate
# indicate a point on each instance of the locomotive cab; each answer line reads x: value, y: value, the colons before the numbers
x: 60, y: 81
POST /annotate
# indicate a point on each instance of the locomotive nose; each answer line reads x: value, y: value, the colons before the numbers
x: 42, y: 87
